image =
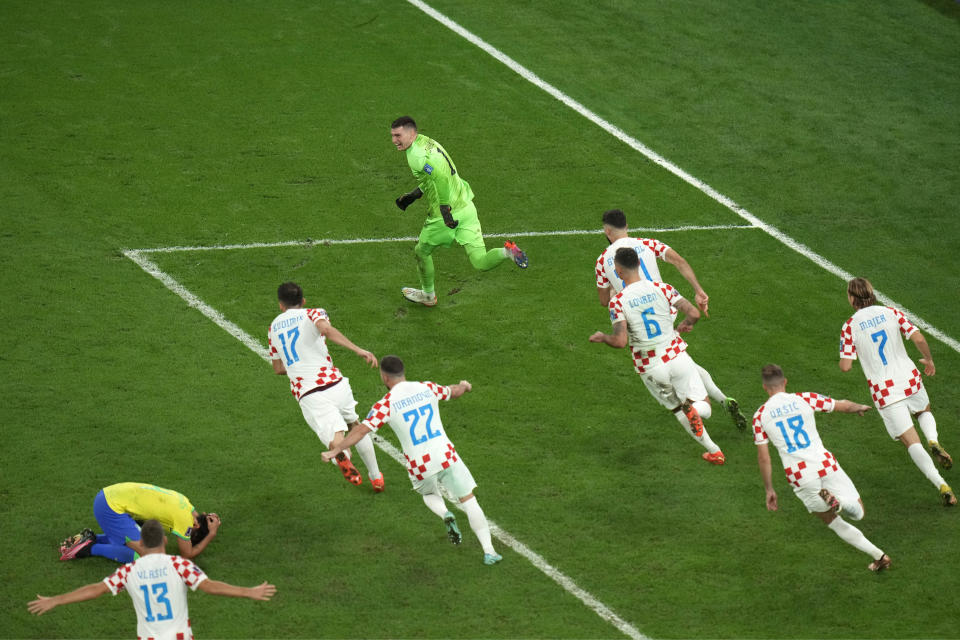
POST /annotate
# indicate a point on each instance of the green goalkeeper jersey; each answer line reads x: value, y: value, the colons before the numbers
x: 437, y: 176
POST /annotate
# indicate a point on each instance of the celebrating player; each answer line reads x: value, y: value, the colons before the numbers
x: 873, y: 334
x: 451, y: 215
x: 117, y: 509
x: 157, y: 584
x: 412, y: 411
x: 642, y: 313
x: 648, y: 250
x: 298, y: 349
x: 787, y: 420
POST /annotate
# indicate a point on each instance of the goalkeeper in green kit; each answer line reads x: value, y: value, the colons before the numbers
x: 451, y: 215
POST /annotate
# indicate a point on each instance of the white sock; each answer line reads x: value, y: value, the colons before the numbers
x: 435, y: 503
x: 853, y: 536
x: 712, y: 389
x: 923, y: 461
x: 704, y: 438
x: 928, y: 425
x: 853, y: 511
x: 478, y: 522
x: 369, y: 456
x: 703, y: 408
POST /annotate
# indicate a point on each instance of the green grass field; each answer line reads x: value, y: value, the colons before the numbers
x: 137, y: 126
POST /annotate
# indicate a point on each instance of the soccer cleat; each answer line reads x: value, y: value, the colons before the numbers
x: 518, y: 256
x: 453, y: 532
x: 946, y: 496
x: 831, y: 500
x: 492, y: 558
x: 77, y: 546
x: 419, y: 296
x: 350, y: 472
x: 733, y: 408
x: 714, y: 458
x: 879, y: 565
x: 693, y: 417
x: 938, y: 452
x: 377, y: 484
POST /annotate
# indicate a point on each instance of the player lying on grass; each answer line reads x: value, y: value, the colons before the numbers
x: 413, y: 412
x: 642, y: 315
x: 157, y: 584
x: 451, y: 214
x: 874, y: 335
x: 117, y: 509
x: 787, y: 420
x: 649, y: 250
x: 298, y: 349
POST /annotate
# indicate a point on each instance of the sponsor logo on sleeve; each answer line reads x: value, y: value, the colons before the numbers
x: 428, y: 168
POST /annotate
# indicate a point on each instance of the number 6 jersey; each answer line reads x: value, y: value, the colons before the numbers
x: 873, y: 335
x: 411, y: 409
x: 787, y: 421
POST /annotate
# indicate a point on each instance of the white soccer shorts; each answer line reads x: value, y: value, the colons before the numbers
x: 673, y: 382
x: 456, y: 479
x: 836, y: 482
x: 330, y: 410
x: 898, y: 417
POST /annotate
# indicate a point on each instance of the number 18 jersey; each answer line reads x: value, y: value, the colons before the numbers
x: 787, y: 421
x: 873, y: 335
x: 411, y: 409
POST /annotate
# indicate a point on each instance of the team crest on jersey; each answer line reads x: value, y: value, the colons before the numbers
x: 613, y: 315
x: 428, y: 168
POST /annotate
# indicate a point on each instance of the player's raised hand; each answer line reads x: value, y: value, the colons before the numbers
x: 928, y: 367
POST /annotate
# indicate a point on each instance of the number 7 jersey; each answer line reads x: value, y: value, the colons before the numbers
x: 873, y: 335
x: 411, y: 409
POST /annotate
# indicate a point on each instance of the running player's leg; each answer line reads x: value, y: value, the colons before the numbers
x: 458, y: 480
x: 321, y: 412
x: 919, y: 405
x: 899, y: 423
x: 425, y: 268
x: 694, y: 407
x: 342, y: 395
x: 810, y: 495
x: 727, y: 402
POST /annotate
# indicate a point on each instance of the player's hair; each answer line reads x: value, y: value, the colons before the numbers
x: 392, y: 366
x: 627, y: 258
x: 404, y: 121
x: 200, y: 532
x: 772, y: 375
x: 861, y: 291
x: 151, y: 533
x: 615, y: 218
x: 290, y: 294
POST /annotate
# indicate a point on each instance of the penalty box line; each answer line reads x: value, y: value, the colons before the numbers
x: 568, y: 585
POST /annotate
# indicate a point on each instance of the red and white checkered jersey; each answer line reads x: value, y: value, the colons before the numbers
x: 873, y: 335
x: 157, y: 584
x: 411, y: 409
x: 787, y: 421
x: 647, y: 309
x: 648, y: 250
x: 294, y: 339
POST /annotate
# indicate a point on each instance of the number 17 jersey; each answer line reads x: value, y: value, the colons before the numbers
x: 411, y: 409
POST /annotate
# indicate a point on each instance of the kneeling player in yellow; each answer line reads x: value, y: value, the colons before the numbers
x: 451, y: 215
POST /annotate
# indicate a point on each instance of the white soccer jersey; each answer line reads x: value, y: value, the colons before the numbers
x: 647, y: 309
x: 294, y: 339
x: 411, y: 409
x: 157, y: 584
x: 874, y: 335
x: 787, y: 421
x: 648, y: 250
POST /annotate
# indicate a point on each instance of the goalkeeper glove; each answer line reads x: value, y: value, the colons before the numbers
x: 448, y: 217
x: 408, y: 199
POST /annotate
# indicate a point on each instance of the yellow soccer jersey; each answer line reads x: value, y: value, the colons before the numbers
x: 148, y: 502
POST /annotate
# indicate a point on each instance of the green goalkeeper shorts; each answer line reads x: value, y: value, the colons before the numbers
x: 436, y: 234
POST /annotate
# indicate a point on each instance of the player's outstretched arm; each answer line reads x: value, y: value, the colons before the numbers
x: 407, y: 199
x: 263, y: 591
x: 353, y: 437
x: 333, y: 334
x: 690, y: 316
x: 87, y: 592
x: 927, y: 359
x: 617, y: 339
x: 457, y: 390
x: 845, y: 406
x: 699, y: 295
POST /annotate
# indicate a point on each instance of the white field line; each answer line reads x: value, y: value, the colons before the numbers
x: 653, y: 156
x: 309, y: 242
x: 499, y: 533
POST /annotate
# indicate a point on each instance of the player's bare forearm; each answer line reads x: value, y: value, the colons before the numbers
x: 278, y: 367
x: 462, y: 387
x: 263, y: 591
x: 924, y: 348
x: 846, y: 406
x: 846, y: 364
x: 604, y: 294
x: 87, y: 592
x: 617, y: 339
x: 763, y: 462
x: 690, y: 316
x: 353, y: 437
